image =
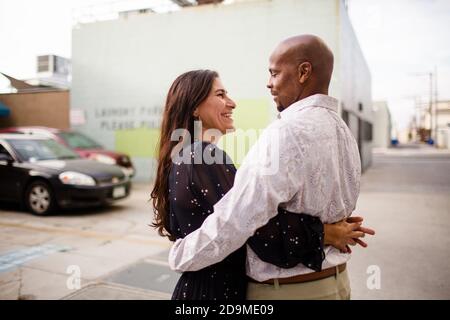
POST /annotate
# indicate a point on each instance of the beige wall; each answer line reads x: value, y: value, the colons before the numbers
x: 50, y: 109
x: 443, y: 124
x: 381, y: 125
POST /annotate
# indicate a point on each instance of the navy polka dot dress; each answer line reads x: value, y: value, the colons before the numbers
x: 199, y: 178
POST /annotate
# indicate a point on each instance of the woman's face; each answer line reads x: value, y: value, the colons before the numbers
x: 216, y: 110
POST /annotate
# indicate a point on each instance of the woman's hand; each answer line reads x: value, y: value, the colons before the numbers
x: 346, y: 233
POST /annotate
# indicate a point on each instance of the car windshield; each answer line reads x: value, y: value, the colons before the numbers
x: 80, y: 141
x: 41, y: 149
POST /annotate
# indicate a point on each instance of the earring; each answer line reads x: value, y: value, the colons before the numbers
x: 196, y: 118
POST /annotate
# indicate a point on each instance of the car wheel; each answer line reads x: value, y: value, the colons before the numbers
x: 39, y: 198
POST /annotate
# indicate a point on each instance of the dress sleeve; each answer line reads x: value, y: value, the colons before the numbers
x: 289, y: 239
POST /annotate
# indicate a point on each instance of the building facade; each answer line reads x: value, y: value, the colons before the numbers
x: 49, y: 108
x: 382, y: 125
x: 122, y: 69
x: 442, y: 119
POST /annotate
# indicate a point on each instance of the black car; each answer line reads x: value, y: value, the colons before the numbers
x: 44, y: 175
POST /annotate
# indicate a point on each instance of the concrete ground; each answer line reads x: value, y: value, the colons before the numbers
x: 405, y: 196
x: 36, y: 252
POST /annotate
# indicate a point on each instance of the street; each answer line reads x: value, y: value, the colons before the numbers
x: 112, y: 253
x: 405, y: 197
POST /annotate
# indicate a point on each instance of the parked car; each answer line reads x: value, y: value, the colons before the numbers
x: 44, y: 175
x: 81, y: 144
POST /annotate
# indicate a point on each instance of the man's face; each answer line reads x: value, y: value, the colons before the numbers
x: 283, y: 82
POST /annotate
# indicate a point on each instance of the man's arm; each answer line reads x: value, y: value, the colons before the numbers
x: 249, y: 205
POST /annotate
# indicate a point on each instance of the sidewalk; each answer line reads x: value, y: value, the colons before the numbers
x: 36, y: 253
x: 411, y: 149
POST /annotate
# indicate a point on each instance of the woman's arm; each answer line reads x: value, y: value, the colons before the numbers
x: 294, y: 238
x: 289, y: 239
x: 346, y: 233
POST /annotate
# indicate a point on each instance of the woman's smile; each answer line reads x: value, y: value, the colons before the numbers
x: 228, y: 116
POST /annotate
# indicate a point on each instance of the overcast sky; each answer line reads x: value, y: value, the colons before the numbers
x: 398, y: 38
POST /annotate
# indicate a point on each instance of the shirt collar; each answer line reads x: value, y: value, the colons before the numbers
x: 316, y: 100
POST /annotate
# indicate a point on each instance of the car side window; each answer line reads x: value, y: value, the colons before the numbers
x: 3, y: 150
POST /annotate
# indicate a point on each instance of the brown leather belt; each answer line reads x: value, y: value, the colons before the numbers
x: 306, y: 277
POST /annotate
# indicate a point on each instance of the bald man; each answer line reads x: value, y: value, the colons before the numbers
x: 306, y: 161
x: 299, y: 67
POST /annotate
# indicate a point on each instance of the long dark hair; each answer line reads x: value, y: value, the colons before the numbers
x: 186, y: 93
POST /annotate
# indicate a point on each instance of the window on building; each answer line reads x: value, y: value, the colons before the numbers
x: 366, y: 131
x: 55, y: 63
x: 43, y: 64
x: 345, y: 116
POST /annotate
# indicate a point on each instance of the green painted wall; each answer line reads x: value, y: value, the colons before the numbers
x: 250, y: 116
x: 140, y: 142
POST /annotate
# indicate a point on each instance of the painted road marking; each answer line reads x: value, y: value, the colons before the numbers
x: 90, y: 234
x: 15, y: 258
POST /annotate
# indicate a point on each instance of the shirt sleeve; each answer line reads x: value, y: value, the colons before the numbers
x: 270, y: 175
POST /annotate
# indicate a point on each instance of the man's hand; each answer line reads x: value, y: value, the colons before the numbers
x: 346, y: 233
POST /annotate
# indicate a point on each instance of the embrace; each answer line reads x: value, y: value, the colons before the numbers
x: 279, y: 227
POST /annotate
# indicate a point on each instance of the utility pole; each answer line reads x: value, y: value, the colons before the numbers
x: 436, y: 107
x: 431, y: 105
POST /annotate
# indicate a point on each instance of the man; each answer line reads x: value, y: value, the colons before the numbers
x: 318, y: 173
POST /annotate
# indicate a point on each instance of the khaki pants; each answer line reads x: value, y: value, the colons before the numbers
x: 336, y: 287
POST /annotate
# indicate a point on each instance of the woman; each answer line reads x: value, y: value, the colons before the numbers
x: 188, y: 185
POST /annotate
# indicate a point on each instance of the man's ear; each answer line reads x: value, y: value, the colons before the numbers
x: 304, y: 71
